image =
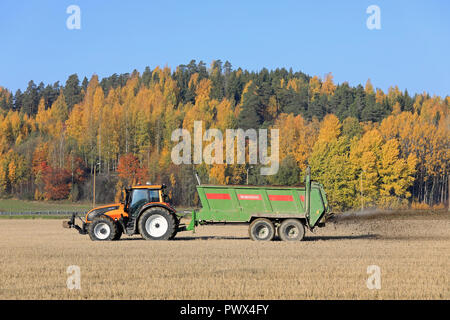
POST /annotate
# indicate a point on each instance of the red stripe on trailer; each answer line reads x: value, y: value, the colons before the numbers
x: 276, y: 197
x: 249, y: 197
x: 218, y: 196
x: 302, y: 198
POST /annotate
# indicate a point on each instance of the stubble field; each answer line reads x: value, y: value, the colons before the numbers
x: 220, y: 262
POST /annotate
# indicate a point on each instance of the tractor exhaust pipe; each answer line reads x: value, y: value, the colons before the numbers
x: 198, y: 179
x: 308, y: 192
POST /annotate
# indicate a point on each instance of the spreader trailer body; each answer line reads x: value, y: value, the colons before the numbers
x: 268, y: 210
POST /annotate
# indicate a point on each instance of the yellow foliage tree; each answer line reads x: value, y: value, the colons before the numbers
x: 330, y: 128
x: 314, y: 87
x: 396, y: 174
x: 328, y: 86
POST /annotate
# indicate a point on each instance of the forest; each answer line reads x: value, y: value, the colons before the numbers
x: 368, y: 147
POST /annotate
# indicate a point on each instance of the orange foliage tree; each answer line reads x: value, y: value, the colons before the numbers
x: 130, y: 170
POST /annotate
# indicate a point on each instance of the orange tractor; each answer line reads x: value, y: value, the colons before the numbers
x: 145, y: 210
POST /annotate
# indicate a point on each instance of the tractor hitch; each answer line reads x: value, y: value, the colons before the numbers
x: 192, y: 224
x: 72, y: 224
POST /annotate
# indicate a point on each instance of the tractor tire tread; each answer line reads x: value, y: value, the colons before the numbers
x: 172, y: 223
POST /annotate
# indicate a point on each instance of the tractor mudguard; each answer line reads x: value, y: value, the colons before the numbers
x: 156, y: 204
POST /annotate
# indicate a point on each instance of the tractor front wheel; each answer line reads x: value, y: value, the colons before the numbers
x: 103, y: 229
x: 157, y: 224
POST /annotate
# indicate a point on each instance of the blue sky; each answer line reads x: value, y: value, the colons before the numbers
x: 411, y: 50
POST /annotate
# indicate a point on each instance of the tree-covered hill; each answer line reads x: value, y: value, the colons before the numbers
x: 383, y: 148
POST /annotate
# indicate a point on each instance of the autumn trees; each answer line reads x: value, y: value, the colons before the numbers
x: 369, y: 170
x: 366, y: 146
x: 428, y: 141
x: 13, y: 172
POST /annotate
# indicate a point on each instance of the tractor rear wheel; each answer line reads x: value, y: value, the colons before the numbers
x: 291, y: 230
x: 102, y: 229
x: 261, y: 230
x: 157, y: 224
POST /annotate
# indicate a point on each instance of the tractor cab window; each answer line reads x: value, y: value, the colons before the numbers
x: 139, y: 197
x: 153, y: 195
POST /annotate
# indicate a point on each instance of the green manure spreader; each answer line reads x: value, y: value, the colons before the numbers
x: 269, y: 210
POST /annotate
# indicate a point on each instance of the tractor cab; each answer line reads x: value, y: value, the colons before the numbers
x: 138, y: 196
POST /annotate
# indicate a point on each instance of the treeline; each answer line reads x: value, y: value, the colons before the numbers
x: 366, y: 146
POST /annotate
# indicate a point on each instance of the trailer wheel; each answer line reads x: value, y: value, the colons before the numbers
x: 157, y: 224
x: 102, y: 229
x: 291, y: 230
x: 261, y: 230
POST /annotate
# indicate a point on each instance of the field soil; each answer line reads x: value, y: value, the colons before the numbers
x: 412, y: 250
